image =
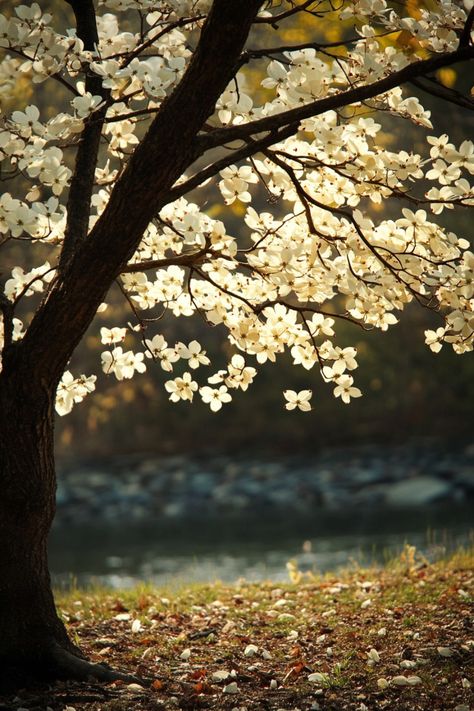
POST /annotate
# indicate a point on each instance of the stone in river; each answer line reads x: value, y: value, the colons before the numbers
x: 417, y: 491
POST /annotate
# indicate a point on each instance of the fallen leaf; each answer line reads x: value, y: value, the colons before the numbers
x: 295, y: 670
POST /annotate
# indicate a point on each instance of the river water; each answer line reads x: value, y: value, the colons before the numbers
x: 254, y: 548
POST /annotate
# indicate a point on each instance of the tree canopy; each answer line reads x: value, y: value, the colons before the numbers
x: 302, y: 153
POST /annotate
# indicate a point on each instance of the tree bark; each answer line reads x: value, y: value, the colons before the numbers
x: 29, y: 624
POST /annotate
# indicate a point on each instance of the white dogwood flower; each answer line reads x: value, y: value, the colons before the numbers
x: 299, y: 400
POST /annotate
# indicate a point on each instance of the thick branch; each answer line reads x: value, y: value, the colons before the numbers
x: 278, y: 129
x: 249, y: 149
x: 421, y: 68
x: 86, y: 26
x: 82, y: 182
x: 465, y: 38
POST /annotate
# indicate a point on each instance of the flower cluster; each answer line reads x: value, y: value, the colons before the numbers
x: 71, y: 390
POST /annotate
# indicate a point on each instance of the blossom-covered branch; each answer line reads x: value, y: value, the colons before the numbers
x: 414, y: 70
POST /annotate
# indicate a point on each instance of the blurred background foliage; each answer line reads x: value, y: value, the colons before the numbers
x: 409, y: 392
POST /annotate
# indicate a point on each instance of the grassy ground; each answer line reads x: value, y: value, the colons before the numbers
x: 396, y: 638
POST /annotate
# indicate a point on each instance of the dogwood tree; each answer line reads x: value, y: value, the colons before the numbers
x: 169, y: 105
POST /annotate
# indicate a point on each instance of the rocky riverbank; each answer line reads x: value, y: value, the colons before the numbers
x: 143, y: 487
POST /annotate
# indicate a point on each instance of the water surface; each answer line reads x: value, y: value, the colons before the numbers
x: 254, y: 548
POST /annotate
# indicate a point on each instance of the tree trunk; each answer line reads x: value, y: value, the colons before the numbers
x: 33, y: 641
x: 29, y: 625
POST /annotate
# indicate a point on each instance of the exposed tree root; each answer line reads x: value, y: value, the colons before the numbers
x: 61, y: 664
x: 68, y: 666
